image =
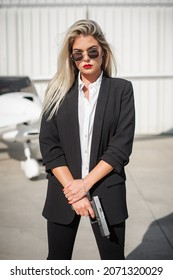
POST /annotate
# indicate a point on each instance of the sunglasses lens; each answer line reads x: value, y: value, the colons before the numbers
x: 93, y: 53
x: 77, y: 56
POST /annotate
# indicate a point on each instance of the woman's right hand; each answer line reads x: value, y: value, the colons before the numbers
x: 83, y: 207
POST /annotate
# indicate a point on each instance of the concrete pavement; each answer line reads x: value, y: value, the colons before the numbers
x: 149, y: 230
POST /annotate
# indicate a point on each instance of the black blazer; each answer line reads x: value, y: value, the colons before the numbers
x: 112, y: 140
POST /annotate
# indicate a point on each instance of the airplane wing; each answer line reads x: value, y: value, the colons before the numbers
x: 21, y: 133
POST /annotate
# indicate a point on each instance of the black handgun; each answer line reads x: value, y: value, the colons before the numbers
x: 99, y: 216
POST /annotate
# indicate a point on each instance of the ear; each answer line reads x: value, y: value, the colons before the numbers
x: 103, y: 53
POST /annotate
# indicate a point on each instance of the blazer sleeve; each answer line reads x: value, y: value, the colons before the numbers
x: 120, y: 144
x: 50, y: 146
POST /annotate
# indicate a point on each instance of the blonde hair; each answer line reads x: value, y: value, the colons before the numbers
x: 66, y: 69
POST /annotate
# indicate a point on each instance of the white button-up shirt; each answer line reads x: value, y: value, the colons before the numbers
x: 86, y: 113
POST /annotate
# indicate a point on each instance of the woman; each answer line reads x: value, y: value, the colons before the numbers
x: 86, y: 139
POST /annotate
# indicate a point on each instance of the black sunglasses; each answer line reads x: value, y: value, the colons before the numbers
x: 78, y: 56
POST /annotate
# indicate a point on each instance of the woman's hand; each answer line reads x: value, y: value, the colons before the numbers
x: 75, y: 190
x: 83, y: 207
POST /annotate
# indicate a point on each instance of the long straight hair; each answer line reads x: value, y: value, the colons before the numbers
x: 66, y: 70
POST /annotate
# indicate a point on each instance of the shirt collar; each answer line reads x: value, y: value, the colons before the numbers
x: 95, y: 84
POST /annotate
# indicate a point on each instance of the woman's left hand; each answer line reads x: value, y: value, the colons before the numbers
x: 75, y: 190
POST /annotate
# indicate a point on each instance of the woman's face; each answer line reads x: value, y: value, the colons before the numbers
x: 90, y: 55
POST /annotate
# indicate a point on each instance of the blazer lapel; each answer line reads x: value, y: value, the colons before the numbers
x: 98, y: 120
x: 73, y: 126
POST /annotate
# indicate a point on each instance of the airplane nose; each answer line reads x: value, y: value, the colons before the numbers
x: 34, y: 107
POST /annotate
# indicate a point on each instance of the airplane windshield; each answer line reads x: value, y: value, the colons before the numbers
x: 16, y: 84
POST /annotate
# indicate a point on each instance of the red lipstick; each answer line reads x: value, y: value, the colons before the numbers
x: 87, y: 66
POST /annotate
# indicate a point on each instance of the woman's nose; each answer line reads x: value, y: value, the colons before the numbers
x: 86, y: 56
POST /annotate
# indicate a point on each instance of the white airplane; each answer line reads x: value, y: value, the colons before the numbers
x: 20, y: 110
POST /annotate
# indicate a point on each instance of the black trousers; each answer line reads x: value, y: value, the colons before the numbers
x: 61, y: 240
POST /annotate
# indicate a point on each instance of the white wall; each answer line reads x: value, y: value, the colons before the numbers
x: 141, y: 35
x: 143, y: 41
